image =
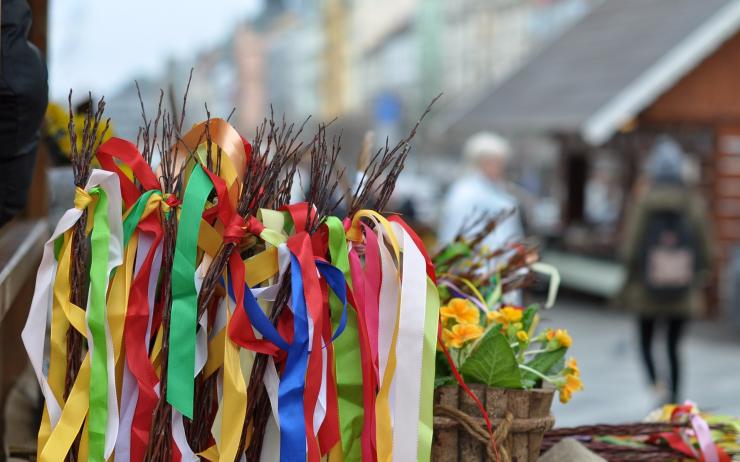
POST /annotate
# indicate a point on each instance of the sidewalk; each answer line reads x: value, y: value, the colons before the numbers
x: 605, y: 344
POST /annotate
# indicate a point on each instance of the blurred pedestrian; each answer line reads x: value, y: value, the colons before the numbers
x: 23, y: 97
x: 667, y: 251
x: 482, y: 188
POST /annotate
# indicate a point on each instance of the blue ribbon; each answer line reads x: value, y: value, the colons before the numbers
x: 258, y: 318
x: 292, y: 383
x: 335, y: 278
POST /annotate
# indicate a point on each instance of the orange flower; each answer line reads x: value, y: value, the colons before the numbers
x: 550, y: 334
x: 460, y: 310
x: 460, y: 334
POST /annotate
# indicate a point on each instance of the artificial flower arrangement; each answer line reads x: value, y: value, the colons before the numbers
x: 486, y: 335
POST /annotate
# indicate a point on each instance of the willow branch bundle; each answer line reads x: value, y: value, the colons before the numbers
x: 480, y: 266
x: 81, y: 155
x: 198, y: 430
x: 159, y: 442
x: 324, y: 178
x: 261, y: 170
x: 324, y: 181
x: 378, y: 179
x: 258, y: 409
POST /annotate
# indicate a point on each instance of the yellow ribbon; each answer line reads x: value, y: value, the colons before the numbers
x: 73, y: 415
x: 234, y: 399
x: 354, y: 233
x: 82, y: 198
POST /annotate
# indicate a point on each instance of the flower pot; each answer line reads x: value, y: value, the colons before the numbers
x: 520, y: 418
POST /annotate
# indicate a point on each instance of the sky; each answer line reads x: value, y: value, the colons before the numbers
x: 101, y: 45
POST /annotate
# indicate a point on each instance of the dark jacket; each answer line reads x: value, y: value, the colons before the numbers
x: 23, y: 98
x: 635, y: 295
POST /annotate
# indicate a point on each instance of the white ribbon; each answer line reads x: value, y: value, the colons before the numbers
x: 34, y: 332
x: 406, y: 391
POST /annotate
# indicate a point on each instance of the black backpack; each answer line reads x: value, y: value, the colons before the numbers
x: 668, y: 255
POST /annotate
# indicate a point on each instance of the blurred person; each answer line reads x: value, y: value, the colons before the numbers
x: 668, y: 253
x: 23, y: 97
x: 482, y: 188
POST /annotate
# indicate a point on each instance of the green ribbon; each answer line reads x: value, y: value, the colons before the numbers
x: 98, y: 416
x: 347, y: 359
x: 134, y: 216
x: 183, y: 322
x: 426, y: 415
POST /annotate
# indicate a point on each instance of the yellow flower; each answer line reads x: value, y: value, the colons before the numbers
x: 562, y: 336
x: 573, y: 382
x: 511, y: 314
x: 522, y: 336
x: 460, y: 334
x: 573, y: 366
x: 505, y: 316
x: 493, y: 316
x: 565, y: 395
x: 460, y: 310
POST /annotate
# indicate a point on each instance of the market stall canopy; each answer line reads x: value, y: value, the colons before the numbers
x: 604, y: 70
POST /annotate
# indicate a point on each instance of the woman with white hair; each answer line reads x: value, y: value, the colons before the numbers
x: 482, y: 189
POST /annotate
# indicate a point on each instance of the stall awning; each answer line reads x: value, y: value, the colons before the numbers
x: 604, y: 70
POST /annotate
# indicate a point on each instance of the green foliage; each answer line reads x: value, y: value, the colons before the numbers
x: 528, y: 316
x: 492, y: 362
x: 544, y: 363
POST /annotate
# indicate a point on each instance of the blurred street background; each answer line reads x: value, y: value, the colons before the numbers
x: 581, y: 89
x: 615, y: 384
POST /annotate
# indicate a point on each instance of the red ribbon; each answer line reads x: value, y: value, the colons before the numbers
x: 137, y: 349
x: 300, y: 245
x: 234, y: 231
x: 329, y: 433
x: 126, y: 152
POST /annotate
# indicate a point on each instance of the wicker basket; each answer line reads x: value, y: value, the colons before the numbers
x: 525, y: 415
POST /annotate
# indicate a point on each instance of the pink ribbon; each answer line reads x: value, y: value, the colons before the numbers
x: 701, y: 430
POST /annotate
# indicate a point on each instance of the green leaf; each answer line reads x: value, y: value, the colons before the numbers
x: 557, y: 367
x: 544, y: 363
x: 528, y: 316
x: 492, y: 362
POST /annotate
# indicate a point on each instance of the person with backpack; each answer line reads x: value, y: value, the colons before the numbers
x: 667, y: 251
